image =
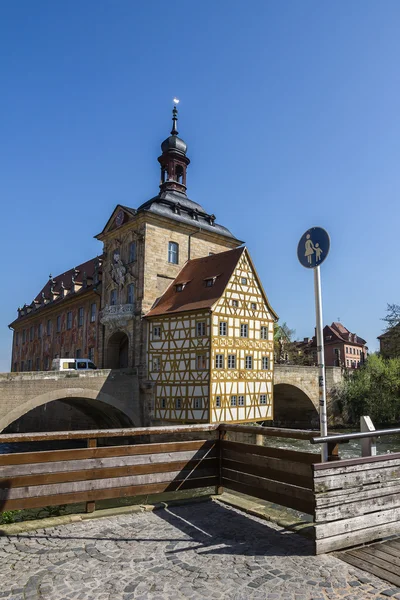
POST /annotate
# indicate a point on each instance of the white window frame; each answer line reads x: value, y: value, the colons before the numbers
x: 219, y: 361
x: 233, y: 401
x: 241, y: 400
x: 244, y: 330
x: 264, y: 332
x: 231, y: 361
x: 265, y: 363
x: 223, y: 328
x: 249, y: 361
x: 198, y: 403
x: 217, y: 401
x: 263, y: 399
x: 201, y: 362
x: 178, y: 403
x: 156, y: 331
x: 201, y: 328
x: 173, y: 253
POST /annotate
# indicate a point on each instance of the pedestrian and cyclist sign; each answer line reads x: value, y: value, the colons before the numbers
x: 312, y: 250
x: 313, y: 247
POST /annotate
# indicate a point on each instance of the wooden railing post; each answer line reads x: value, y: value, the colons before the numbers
x: 219, y: 489
x: 91, y: 506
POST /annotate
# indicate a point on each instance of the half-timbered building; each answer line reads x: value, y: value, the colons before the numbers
x: 210, y: 348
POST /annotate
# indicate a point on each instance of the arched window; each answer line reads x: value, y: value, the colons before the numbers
x: 173, y: 253
x: 179, y: 173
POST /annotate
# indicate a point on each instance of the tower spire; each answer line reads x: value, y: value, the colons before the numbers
x: 174, y: 130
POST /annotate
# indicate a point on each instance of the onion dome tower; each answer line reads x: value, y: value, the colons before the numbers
x: 173, y: 160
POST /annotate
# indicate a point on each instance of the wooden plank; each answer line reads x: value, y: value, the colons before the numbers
x: 339, y: 497
x: 268, y: 484
x: 357, y: 463
x: 388, y: 549
x: 103, y: 452
x: 296, y: 434
x: 274, y: 474
x: 283, y: 500
x: 104, y: 494
x: 85, y: 434
x: 373, y: 565
x: 354, y: 479
x: 277, y: 464
x: 104, y: 473
x: 363, y: 536
x: 379, y: 551
x: 98, y: 463
x: 90, y: 506
x: 394, y: 544
x: 292, y: 455
x: 352, y: 524
x: 357, y: 508
x: 96, y: 484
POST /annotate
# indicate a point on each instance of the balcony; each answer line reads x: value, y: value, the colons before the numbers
x: 117, y: 315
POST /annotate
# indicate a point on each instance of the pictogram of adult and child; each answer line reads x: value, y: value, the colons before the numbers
x: 312, y: 249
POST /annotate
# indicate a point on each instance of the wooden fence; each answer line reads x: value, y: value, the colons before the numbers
x: 352, y: 501
x: 55, y: 477
x: 356, y: 500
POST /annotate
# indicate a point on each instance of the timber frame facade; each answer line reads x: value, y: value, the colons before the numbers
x: 216, y: 364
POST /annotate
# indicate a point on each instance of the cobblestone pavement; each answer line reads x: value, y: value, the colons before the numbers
x: 197, y: 551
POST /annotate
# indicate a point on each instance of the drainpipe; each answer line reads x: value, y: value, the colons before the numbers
x: 190, y: 239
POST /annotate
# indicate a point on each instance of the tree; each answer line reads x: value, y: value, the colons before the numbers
x: 282, y: 342
x: 390, y: 340
x: 372, y: 390
x: 286, y: 350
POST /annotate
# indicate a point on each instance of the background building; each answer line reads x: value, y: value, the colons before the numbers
x: 342, y: 348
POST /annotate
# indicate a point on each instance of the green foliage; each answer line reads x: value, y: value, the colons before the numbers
x: 372, y: 390
x: 8, y: 516
x: 52, y: 511
x: 390, y: 343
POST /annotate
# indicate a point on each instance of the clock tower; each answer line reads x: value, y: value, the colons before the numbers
x: 144, y: 250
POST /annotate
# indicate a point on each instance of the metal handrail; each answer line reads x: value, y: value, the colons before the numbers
x: 354, y: 436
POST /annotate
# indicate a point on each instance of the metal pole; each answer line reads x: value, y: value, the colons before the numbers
x: 321, y: 362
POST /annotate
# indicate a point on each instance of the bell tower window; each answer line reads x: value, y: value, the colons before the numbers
x: 179, y: 173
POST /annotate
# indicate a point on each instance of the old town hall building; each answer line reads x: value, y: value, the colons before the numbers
x: 174, y: 296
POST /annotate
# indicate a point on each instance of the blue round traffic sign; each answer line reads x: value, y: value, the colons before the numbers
x: 313, y: 247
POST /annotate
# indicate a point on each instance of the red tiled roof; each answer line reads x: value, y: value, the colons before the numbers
x: 195, y: 294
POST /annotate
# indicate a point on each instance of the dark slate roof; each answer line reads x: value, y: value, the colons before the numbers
x: 85, y: 269
x: 177, y: 206
x: 195, y: 294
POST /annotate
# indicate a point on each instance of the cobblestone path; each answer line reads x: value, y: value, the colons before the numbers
x: 199, y: 551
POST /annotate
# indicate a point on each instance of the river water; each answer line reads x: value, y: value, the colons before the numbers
x: 352, y: 449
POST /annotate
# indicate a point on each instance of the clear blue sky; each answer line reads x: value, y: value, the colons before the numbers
x: 290, y: 111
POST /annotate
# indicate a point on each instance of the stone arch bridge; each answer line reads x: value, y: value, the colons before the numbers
x: 54, y: 400
x: 105, y: 398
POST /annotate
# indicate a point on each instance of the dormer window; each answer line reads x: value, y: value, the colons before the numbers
x: 209, y: 281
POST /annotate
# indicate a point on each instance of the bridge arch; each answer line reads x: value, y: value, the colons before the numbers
x: 100, y: 410
x: 293, y: 407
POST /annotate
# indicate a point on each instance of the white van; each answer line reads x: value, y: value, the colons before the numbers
x: 72, y: 364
